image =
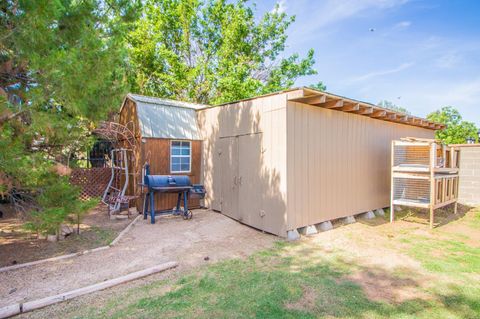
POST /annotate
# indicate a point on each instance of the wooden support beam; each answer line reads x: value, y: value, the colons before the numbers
x: 425, y: 123
x: 313, y: 100
x: 365, y: 111
x: 350, y: 108
x: 379, y: 114
x: 332, y: 104
x: 391, y: 116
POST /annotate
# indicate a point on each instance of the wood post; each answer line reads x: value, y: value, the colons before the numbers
x: 392, y: 190
x: 40, y: 303
x: 433, y: 159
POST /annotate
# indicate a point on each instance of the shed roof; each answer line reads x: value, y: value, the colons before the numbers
x: 340, y: 103
x: 164, y: 118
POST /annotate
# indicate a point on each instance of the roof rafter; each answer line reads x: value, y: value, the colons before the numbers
x: 340, y: 103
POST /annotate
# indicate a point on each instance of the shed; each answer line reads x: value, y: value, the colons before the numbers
x: 300, y: 157
x: 168, y: 138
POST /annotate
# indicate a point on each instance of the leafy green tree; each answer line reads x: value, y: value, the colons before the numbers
x: 61, y: 70
x: 457, y: 130
x: 320, y: 86
x: 390, y: 105
x: 211, y: 51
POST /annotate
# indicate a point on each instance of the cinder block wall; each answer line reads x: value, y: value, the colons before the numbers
x: 469, y: 185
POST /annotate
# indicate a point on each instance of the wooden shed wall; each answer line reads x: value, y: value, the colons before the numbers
x: 159, y: 159
x: 244, y: 161
x: 129, y: 117
x: 338, y: 163
x: 158, y: 152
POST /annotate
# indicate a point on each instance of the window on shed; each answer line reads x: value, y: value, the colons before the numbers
x: 180, y: 156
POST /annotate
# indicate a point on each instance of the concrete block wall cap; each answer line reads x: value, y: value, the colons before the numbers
x: 293, y: 235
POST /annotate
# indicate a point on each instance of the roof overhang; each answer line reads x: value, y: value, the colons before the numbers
x: 340, y: 103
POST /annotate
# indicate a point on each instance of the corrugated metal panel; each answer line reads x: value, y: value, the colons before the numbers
x: 161, y: 118
x: 338, y: 163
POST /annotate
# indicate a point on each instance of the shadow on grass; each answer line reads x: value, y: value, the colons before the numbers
x: 443, y: 216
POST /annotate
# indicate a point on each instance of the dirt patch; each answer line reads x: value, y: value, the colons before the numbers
x: 306, y: 302
x: 379, y: 285
x: 188, y: 242
x: 19, y: 246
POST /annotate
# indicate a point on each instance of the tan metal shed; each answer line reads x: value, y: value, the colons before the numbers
x: 300, y: 157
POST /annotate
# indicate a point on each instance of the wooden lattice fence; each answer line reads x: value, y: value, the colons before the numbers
x: 92, y: 181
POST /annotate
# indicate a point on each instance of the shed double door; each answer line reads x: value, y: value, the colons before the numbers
x: 240, y: 160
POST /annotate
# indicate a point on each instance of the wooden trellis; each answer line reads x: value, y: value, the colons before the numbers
x: 92, y: 181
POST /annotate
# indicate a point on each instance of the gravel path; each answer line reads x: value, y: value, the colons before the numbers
x: 145, y: 245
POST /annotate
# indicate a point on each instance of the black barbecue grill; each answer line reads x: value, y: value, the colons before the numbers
x: 179, y: 184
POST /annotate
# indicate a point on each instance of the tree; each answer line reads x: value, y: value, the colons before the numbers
x: 457, y: 130
x: 391, y: 106
x: 61, y: 70
x: 320, y: 86
x: 211, y: 51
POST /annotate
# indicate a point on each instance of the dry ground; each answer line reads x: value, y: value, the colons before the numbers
x: 19, y: 246
x: 189, y: 242
x: 370, y: 269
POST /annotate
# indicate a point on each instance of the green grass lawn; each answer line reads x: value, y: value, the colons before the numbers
x: 305, y: 280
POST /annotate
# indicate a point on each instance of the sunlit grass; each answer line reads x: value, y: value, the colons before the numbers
x: 301, y: 280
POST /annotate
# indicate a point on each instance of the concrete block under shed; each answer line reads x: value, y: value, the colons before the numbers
x: 308, y: 230
x: 349, y: 220
x: 368, y: 215
x: 293, y: 235
x: 325, y: 226
x: 380, y: 212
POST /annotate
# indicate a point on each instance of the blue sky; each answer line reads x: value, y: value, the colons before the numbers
x: 422, y: 55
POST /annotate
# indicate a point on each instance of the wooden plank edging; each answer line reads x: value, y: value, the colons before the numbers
x: 16, y: 309
x: 123, y: 232
x: 9, y: 311
x: 41, y: 261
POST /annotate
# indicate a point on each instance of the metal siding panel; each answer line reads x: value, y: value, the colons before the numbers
x: 250, y: 118
x: 166, y: 121
x: 348, y: 174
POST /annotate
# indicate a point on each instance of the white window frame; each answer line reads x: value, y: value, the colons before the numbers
x: 189, y: 157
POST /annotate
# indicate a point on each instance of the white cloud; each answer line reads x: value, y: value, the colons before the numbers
x: 382, y: 72
x: 448, y: 60
x: 403, y: 25
x: 336, y: 10
x: 282, y: 6
x: 464, y: 93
